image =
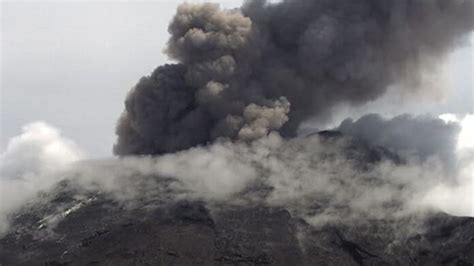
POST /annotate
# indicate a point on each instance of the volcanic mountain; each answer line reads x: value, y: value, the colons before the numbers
x: 211, y: 167
x: 70, y: 225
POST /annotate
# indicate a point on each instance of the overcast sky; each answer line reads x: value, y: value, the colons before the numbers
x: 71, y: 65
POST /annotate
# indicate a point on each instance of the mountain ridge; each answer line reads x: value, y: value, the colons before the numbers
x: 70, y: 225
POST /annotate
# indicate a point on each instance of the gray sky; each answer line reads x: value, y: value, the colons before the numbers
x: 71, y: 64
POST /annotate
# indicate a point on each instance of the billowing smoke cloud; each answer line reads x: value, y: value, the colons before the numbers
x: 386, y: 168
x: 318, y: 179
x: 322, y: 178
x: 243, y: 73
x: 423, y: 137
x: 39, y: 149
x: 28, y: 165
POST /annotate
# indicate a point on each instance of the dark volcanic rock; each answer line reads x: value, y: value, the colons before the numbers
x: 95, y: 230
x: 68, y: 226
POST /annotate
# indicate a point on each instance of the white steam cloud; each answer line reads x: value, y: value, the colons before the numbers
x: 322, y: 179
x: 458, y: 198
x: 28, y: 165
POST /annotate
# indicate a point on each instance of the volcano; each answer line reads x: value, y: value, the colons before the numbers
x: 210, y: 164
x: 72, y: 226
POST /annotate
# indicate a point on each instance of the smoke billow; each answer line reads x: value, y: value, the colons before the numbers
x: 243, y: 73
x: 29, y: 164
x: 322, y: 178
x: 422, y: 137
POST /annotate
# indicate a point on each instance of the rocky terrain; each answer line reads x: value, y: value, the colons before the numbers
x: 73, y: 226
x: 97, y: 231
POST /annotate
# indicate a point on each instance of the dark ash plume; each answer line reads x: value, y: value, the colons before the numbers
x: 419, y: 138
x: 266, y: 67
